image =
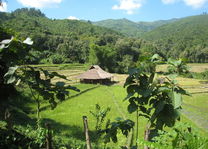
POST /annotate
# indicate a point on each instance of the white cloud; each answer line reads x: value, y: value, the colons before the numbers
x: 195, y: 3
x: 39, y: 3
x: 72, y: 18
x: 192, y: 3
x: 128, y: 5
x: 3, y: 7
x: 169, y: 1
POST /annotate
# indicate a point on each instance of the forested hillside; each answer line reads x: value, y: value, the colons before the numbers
x: 149, y: 26
x: 72, y: 41
x: 124, y: 26
x: 187, y: 38
x: 130, y: 28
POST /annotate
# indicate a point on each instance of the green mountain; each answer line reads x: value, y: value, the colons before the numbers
x: 149, y: 26
x: 187, y: 37
x: 73, y: 41
x: 124, y: 26
x: 32, y: 21
x: 52, y: 38
x: 130, y: 28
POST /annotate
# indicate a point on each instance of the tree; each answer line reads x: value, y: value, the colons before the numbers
x: 40, y: 87
x: 157, y: 99
x: 125, y: 64
x: 105, y: 57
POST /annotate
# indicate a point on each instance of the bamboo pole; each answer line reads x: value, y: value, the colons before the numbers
x: 146, y: 136
x: 86, y: 130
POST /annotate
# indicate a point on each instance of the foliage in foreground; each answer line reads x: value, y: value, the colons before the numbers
x: 181, y: 136
x: 39, y: 82
x: 157, y: 99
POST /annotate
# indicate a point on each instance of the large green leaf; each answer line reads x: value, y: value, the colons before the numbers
x: 131, y: 89
x: 133, y: 71
x: 159, y: 106
x: 132, y: 107
x: 60, y: 84
x: 182, y: 91
x: 176, y: 99
x: 58, y: 75
x: 129, y: 80
x: 147, y: 92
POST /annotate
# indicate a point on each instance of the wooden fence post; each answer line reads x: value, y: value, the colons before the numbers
x: 48, y: 136
x: 86, y: 130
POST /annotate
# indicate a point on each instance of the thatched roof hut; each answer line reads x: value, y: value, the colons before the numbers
x: 95, y: 75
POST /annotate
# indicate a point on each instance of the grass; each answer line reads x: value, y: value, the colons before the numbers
x: 196, y: 107
x: 66, y: 119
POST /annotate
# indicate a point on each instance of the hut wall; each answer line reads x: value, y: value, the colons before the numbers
x: 96, y: 81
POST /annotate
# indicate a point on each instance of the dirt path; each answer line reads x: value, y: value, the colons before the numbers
x: 111, y: 93
x: 130, y: 135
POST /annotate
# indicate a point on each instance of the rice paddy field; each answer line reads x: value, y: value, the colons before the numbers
x: 66, y: 118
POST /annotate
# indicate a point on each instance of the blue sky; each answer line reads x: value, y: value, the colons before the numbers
x: 95, y: 10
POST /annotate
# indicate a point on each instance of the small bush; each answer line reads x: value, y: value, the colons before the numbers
x: 57, y: 59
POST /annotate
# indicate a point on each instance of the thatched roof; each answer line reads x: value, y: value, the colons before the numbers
x: 94, y: 73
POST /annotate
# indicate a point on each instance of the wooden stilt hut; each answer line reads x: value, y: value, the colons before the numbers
x: 95, y: 75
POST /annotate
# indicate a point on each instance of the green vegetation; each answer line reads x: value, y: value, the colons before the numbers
x: 55, y: 41
x: 41, y: 105
x: 124, y: 26
x: 72, y: 41
x: 132, y: 29
x: 177, y: 66
x: 159, y: 100
x: 66, y: 118
x: 181, y: 137
x: 185, y: 38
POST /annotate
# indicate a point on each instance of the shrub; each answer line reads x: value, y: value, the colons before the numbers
x: 57, y: 59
